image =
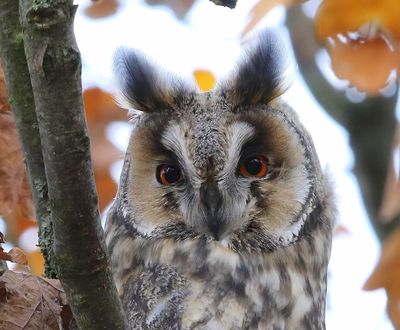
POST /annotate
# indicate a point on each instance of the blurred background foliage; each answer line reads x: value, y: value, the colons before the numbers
x: 360, y: 40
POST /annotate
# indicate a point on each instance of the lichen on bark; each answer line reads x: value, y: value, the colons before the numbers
x: 80, y: 258
x: 22, y: 105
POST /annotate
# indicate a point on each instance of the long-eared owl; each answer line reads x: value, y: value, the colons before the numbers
x: 223, y: 218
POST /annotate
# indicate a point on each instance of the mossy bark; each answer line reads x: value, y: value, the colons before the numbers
x: 371, y: 124
x: 19, y: 87
x: 55, y: 69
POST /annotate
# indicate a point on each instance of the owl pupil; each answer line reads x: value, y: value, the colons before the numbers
x: 254, y: 166
x: 172, y: 174
x: 167, y: 174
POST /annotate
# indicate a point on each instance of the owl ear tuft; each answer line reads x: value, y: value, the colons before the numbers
x: 259, y: 77
x: 143, y: 85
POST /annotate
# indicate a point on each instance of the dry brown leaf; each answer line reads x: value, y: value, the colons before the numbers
x: 35, y: 264
x: 261, y: 8
x: 14, y: 186
x: 18, y: 256
x: 204, y: 79
x: 101, y: 110
x: 355, y: 61
x: 15, y: 255
x: 12, y: 171
x: 102, y: 8
x: 179, y: 7
x: 390, y: 207
x: 30, y: 302
x: 387, y: 274
x: 343, y: 16
x: 4, y: 106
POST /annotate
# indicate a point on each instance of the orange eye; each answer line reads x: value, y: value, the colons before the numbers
x: 254, y: 166
x: 168, y: 174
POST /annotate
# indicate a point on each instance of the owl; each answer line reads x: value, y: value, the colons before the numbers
x: 223, y: 218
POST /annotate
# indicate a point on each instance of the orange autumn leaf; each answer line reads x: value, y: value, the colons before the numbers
x: 390, y: 207
x: 261, y: 8
x: 205, y: 80
x: 36, y: 262
x: 387, y: 274
x: 355, y: 61
x: 342, y: 16
x: 101, y: 110
x: 101, y: 107
x: 102, y: 8
x: 106, y: 188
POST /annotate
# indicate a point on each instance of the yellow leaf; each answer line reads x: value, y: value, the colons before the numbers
x: 204, y: 79
x: 36, y: 262
x: 342, y: 16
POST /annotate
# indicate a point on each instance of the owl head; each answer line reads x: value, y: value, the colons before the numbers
x: 232, y: 166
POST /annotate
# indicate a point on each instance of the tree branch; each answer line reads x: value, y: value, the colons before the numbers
x: 371, y: 124
x: 3, y: 267
x: 22, y: 105
x: 226, y: 3
x: 81, y: 261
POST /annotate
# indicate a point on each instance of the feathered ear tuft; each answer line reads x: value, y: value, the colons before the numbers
x: 143, y: 85
x: 258, y: 79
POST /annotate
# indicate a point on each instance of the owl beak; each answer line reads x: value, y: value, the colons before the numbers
x: 212, y: 200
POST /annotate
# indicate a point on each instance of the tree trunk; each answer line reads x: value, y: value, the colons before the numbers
x: 16, y: 72
x: 54, y: 67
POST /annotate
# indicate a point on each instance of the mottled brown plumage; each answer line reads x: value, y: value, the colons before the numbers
x: 219, y: 247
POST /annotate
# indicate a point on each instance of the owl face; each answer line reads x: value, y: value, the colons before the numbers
x: 233, y: 166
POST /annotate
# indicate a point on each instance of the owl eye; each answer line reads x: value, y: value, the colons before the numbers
x: 168, y: 174
x: 254, y: 166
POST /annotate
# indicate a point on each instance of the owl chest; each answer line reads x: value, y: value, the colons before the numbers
x: 266, y: 300
x: 206, y: 293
